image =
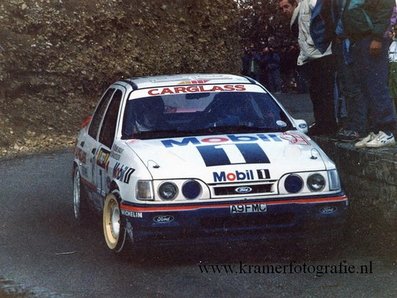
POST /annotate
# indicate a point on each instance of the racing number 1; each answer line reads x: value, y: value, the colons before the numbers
x: 217, y: 155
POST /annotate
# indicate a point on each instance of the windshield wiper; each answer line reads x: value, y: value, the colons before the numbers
x: 162, y: 134
x: 205, y: 131
x: 240, y: 128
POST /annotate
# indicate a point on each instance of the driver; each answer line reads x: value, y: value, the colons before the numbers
x: 149, y: 113
x: 233, y: 109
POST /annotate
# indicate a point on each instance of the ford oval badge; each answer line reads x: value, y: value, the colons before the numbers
x: 243, y: 189
x: 163, y: 219
x: 328, y: 209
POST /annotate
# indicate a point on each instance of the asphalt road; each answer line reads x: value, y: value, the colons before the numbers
x: 43, y: 253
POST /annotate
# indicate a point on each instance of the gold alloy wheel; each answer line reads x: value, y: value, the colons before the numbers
x: 111, y: 222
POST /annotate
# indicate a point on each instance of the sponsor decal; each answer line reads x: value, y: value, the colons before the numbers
x: 115, y: 156
x: 247, y: 175
x: 195, y: 89
x: 228, y: 149
x: 102, y: 158
x: 122, y: 172
x: 163, y: 219
x: 132, y: 213
x: 80, y: 155
x: 118, y: 149
x: 294, y: 138
x: 231, y: 138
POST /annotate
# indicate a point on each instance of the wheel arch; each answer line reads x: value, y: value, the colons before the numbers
x: 74, y: 166
x: 115, y: 188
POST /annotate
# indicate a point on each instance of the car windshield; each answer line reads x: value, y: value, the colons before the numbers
x: 202, y: 113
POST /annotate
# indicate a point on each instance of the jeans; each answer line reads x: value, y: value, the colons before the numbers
x: 369, y: 104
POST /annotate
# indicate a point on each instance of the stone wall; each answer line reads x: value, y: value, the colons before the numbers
x: 370, y: 180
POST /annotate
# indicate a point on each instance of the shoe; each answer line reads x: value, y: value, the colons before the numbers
x: 363, y: 143
x: 382, y: 140
x: 347, y: 135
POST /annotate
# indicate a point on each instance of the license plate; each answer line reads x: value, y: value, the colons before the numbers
x: 248, y: 208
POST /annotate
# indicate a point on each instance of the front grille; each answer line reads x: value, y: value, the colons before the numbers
x: 264, y: 188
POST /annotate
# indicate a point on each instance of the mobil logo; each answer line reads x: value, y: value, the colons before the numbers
x: 233, y: 176
x: 246, y: 175
x: 230, y: 138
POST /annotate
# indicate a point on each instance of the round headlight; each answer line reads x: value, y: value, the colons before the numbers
x: 168, y: 191
x: 316, y: 182
x: 191, y: 189
x: 293, y: 183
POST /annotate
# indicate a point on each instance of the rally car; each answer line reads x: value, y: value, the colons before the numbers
x: 201, y: 158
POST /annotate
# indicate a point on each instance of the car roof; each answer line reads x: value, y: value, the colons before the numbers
x: 187, y: 79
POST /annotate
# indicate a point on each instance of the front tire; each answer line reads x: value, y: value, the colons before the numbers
x: 113, y: 226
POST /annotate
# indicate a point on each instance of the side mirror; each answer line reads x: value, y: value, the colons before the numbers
x: 301, y: 125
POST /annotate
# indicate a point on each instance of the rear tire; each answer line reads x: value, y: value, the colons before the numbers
x: 80, y: 204
x: 114, y: 229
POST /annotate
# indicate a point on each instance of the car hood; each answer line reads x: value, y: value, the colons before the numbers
x: 230, y: 157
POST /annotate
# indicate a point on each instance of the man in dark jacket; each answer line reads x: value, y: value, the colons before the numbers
x: 370, y: 108
x: 316, y: 31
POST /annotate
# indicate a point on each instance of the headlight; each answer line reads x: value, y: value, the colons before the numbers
x: 293, y: 183
x: 168, y: 191
x: 191, y: 189
x: 144, y: 190
x: 316, y: 182
x: 334, y: 181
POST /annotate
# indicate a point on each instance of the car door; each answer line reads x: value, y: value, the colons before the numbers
x: 90, y: 143
x: 105, y: 142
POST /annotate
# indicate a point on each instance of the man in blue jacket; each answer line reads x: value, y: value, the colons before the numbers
x: 370, y: 107
x: 316, y: 30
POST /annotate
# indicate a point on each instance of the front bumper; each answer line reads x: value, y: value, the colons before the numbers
x: 260, y: 220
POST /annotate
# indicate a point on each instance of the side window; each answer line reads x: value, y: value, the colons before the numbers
x: 98, y: 115
x: 108, y: 129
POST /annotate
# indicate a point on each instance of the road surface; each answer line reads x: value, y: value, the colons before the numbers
x: 43, y: 253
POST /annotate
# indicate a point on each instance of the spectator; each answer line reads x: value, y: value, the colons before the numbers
x: 316, y: 29
x: 272, y: 60
x: 393, y: 66
x: 370, y: 107
x: 251, y: 63
x: 263, y: 66
x: 295, y: 72
x: 285, y: 69
x: 345, y: 89
x: 288, y: 68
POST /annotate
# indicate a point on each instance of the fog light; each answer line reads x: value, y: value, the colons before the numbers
x: 316, y: 182
x: 168, y: 191
x: 293, y: 183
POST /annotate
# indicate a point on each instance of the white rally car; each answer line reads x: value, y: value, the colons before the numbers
x: 202, y: 157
